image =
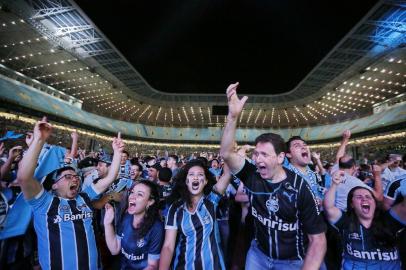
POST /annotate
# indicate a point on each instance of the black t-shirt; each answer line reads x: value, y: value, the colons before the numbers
x: 283, y: 213
x: 393, y: 190
x: 360, y: 244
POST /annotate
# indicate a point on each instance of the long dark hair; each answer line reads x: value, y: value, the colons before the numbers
x: 381, y: 233
x: 151, y: 213
x: 180, y: 190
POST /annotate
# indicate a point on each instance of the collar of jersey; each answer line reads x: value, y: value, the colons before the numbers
x: 199, y: 205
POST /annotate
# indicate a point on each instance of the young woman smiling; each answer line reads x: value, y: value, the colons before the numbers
x: 191, y: 222
x: 140, y: 234
x: 368, y: 234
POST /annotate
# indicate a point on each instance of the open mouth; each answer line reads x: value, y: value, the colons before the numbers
x: 131, y: 204
x: 305, y: 155
x: 195, y: 185
x: 365, y: 208
x: 73, y: 187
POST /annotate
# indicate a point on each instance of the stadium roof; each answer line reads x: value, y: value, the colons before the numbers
x: 57, y: 45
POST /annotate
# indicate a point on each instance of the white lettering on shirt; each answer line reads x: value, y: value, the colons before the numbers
x: 278, y: 224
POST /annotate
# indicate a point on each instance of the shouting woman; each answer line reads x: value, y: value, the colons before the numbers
x: 368, y: 234
x: 140, y: 235
x: 191, y: 222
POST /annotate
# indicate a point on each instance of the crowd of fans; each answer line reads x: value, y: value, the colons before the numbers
x: 270, y: 205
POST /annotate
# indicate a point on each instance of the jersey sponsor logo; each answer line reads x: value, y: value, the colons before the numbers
x: 131, y: 256
x: 72, y: 217
x: 140, y: 243
x: 272, y: 205
x: 373, y: 255
x: 277, y: 224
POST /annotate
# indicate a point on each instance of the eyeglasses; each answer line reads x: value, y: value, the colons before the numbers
x: 68, y: 177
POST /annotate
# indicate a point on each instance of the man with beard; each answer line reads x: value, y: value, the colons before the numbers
x: 289, y: 228
x: 63, y: 219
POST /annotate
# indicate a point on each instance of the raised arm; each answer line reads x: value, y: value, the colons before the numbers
x: 343, y: 145
x: 25, y: 175
x: 12, y: 155
x: 316, y: 157
x: 104, y: 183
x: 332, y: 212
x: 74, y: 147
x: 378, y: 191
x: 113, y: 242
x: 235, y: 106
x: 221, y: 185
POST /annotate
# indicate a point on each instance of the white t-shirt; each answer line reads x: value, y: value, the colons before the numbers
x: 344, y: 188
x: 389, y: 176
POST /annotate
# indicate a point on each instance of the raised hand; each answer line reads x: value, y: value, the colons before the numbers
x: 109, y: 214
x: 14, y: 152
x: 376, y: 169
x: 74, y: 135
x: 28, y: 138
x: 316, y: 155
x: 42, y: 130
x: 338, y: 177
x: 235, y: 104
x: 118, y: 144
x: 347, y: 134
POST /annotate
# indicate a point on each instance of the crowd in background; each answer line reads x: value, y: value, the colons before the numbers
x: 113, y: 208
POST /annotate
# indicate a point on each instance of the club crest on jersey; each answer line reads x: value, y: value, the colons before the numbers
x: 140, y: 243
x: 206, y: 219
x: 272, y: 205
x: 354, y: 236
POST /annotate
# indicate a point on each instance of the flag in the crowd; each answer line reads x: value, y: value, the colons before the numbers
x: 17, y: 220
x: 10, y: 135
x: 49, y: 161
x: 19, y: 214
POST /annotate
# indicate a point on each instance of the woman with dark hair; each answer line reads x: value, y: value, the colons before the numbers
x: 368, y: 233
x: 140, y: 234
x: 191, y: 222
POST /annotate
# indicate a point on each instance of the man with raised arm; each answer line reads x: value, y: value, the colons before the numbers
x: 289, y: 228
x: 63, y: 218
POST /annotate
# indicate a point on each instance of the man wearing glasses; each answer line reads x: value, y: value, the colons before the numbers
x: 63, y: 218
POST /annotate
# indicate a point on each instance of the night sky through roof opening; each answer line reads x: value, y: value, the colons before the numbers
x: 200, y: 46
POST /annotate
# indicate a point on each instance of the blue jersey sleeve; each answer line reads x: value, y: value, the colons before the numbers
x: 41, y: 201
x: 171, y: 218
x: 91, y: 192
x: 214, y: 198
x: 157, y: 238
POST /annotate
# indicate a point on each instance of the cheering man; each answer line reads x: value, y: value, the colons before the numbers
x: 289, y: 228
x: 63, y: 219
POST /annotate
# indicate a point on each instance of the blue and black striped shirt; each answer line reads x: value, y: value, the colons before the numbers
x: 64, y: 228
x: 198, y: 241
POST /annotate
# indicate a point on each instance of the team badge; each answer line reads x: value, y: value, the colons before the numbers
x: 354, y: 236
x: 272, y: 204
x: 206, y: 220
x: 140, y: 243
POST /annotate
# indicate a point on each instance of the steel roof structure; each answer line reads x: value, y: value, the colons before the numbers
x: 58, y: 48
